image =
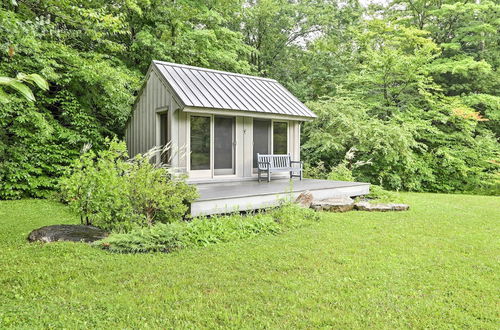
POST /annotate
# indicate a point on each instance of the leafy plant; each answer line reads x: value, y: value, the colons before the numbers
x: 18, y: 84
x: 110, y: 191
x: 158, y: 238
x: 204, y: 231
x: 96, y: 189
x: 154, y: 193
x: 380, y: 195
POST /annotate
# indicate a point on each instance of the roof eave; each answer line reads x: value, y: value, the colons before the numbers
x: 245, y: 113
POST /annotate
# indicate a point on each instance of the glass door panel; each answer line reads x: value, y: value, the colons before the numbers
x: 223, y: 145
x: 200, y: 143
x: 261, y: 138
x: 280, y: 138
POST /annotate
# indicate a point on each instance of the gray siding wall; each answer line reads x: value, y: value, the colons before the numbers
x: 141, y: 129
x: 142, y: 132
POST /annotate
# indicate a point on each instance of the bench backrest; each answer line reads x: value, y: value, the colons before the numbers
x: 276, y: 161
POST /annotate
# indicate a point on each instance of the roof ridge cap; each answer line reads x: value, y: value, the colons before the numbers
x: 212, y: 70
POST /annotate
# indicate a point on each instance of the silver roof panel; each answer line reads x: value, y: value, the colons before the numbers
x: 206, y: 88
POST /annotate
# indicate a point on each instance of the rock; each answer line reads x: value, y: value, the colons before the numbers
x: 71, y: 233
x: 305, y: 199
x: 339, y: 204
x: 379, y: 207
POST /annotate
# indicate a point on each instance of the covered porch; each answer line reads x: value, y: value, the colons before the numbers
x: 244, y: 195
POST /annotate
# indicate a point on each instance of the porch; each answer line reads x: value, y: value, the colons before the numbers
x: 244, y: 195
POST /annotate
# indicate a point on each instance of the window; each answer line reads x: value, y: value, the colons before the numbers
x: 261, y: 138
x: 280, y: 137
x: 200, y: 143
x: 269, y: 137
x: 164, y: 136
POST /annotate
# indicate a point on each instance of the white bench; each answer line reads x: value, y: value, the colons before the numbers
x: 278, y: 163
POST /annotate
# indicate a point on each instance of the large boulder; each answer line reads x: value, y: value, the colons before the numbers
x: 380, y: 207
x: 338, y: 204
x: 305, y: 199
x: 71, y: 233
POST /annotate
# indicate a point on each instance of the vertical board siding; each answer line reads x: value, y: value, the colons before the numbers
x: 141, y: 129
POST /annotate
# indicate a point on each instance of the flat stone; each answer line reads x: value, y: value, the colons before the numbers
x: 70, y: 233
x: 305, y: 199
x: 338, y: 204
x: 380, y: 207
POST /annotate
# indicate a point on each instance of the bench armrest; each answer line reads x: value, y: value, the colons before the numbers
x: 297, y: 162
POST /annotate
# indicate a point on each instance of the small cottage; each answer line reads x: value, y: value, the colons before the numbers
x: 216, y: 123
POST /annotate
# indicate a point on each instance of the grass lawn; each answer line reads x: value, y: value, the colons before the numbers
x: 436, y: 265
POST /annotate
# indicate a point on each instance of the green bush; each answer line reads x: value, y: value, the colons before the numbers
x: 315, y: 171
x: 292, y: 215
x: 109, y: 191
x: 428, y: 147
x: 158, y: 238
x: 220, y: 229
x: 96, y: 190
x: 206, y: 231
x: 89, y: 98
x: 155, y: 195
x: 380, y: 195
x: 341, y: 173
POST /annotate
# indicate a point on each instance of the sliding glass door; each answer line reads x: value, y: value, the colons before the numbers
x: 212, y: 146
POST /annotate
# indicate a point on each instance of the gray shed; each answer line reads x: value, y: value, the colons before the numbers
x: 216, y: 121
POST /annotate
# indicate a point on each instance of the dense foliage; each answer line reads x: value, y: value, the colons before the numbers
x: 113, y: 192
x: 411, y: 85
x: 206, y: 231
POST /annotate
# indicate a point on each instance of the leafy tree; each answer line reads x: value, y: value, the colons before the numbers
x: 412, y: 84
x: 89, y: 99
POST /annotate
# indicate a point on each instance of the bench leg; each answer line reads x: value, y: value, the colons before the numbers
x: 268, y: 175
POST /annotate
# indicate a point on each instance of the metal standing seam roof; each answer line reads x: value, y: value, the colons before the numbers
x: 207, y: 88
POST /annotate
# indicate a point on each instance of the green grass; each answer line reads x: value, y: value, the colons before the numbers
x: 436, y: 266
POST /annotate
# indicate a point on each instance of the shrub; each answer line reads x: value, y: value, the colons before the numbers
x: 292, y: 215
x: 341, y: 173
x: 95, y: 187
x: 205, y: 231
x: 420, y: 147
x: 154, y: 194
x: 380, y: 195
x: 316, y: 171
x: 110, y: 191
x: 220, y: 229
x: 158, y: 238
